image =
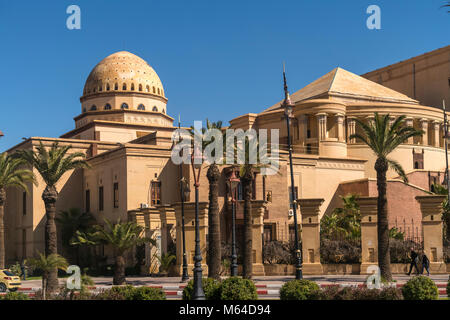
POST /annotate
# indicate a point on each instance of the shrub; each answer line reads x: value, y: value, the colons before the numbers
x: 277, y: 252
x: 339, y: 251
x: 360, y: 293
x: 390, y: 293
x: 15, y: 296
x: 116, y: 293
x: 299, y: 290
x: 329, y: 293
x: 147, y: 293
x: 420, y: 288
x: 235, y: 288
x: 211, y: 288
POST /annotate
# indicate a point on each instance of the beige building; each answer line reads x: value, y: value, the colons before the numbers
x: 125, y: 131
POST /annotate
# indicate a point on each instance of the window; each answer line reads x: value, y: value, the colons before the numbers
x: 124, y: 106
x: 141, y: 107
x: 132, y: 87
x: 107, y: 106
x: 116, y: 194
x: 124, y: 86
x: 100, y: 198
x: 147, y: 88
x: 140, y: 87
x: 155, y: 109
x: 164, y: 111
x: 100, y: 88
x: 24, y: 203
x: 156, y: 192
x: 84, y: 110
x: 116, y: 87
x: 292, y: 232
x: 107, y: 87
x: 88, y: 201
x: 268, y: 233
x: 154, y: 91
x: 94, y: 107
x: 158, y: 91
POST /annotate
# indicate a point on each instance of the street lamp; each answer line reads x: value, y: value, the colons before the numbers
x: 288, y: 105
x: 184, y: 194
x: 185, y: 191
x: 446, y: 149
x: 233, y: 183
x: 196, y: 161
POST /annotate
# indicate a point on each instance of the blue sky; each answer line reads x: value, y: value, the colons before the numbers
x: 216, y: 59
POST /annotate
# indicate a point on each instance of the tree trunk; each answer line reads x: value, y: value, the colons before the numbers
x: 248, y: 249
x: 2, y: 228
x: 44, y: 286
x: 50, y: 195
x: 384, y: 258
x: 119, y: 270
x: 214, y: 254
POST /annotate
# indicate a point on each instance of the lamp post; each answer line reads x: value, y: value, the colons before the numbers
x: 288, y: 105
x: 198, y: 288
x: 447, y: 178
x: 184, y: 193
x: 233, y: 183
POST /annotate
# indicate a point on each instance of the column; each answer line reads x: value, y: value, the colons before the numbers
x: 258, y: 209
x: 310, y: 210
x: 189, y: 220
x: 424, y: 127
x: 410, y: 123
x: 369, y: 234
x: 168, y: 227
x: 302, y: 127
x: 340, y: 126
x: 431, y: 208
x: 351, y: 123
x: 436, y: 131
x: 322, y: 126
x: 370, y: 120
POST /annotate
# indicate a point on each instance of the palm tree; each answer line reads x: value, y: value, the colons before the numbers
x: 121, y: 236
x: 11, y: 175
x: 213, y: 175
x: 47, y: 264
x: 51, y: 165
x: 71, y: 221
x: 384, y: 138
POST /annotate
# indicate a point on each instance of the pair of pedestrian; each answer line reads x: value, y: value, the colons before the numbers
x: 415, y: 261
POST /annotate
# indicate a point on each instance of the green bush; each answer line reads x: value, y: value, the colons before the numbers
x: 235, y: 288
x: 211, y: 288
x: 147, y: 293
x: 299, y: 290
x: 390, y: 293
x: 15, y: 296
x: 420, y: 288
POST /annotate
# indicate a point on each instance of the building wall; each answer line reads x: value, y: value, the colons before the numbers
x: 425, y: 78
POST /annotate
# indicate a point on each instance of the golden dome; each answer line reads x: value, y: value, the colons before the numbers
x: 123, y: 72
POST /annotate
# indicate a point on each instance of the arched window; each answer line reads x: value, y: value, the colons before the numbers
x: 116, y: 87
x: 141, y: 107
x: 107, y: 106
x: 148, y: 88
x: 154, y: 90
x: 140, y: 87
x: 124, y: 86
x: 162, y: 92
x: 155, y: 109
x: 416, y: 165
x: 100, y: 88
x: 124, y: 106
x: 164, y: 111
x: 107, y: 87
x: 158, y: 91
x: 94, y: 107
x: 132, y: 87
x: 84, y: 110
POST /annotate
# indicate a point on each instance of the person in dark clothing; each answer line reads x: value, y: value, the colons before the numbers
x: 23, y: 269
x: 425, y: 263
x: 414, y: 261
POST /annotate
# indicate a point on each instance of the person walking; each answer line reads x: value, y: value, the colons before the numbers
x: 425, y: 263
x: 414, y: 260
x: 23, y: 269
